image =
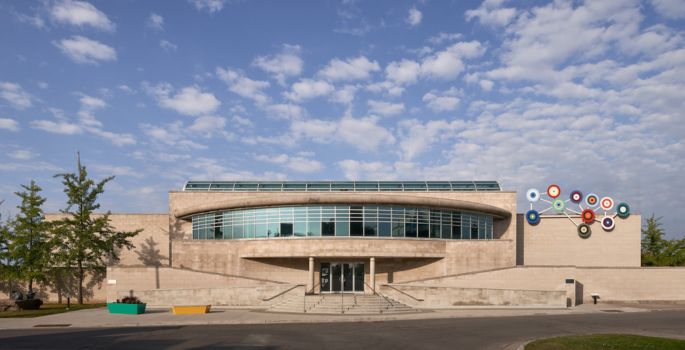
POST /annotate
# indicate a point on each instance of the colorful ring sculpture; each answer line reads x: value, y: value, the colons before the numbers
x: 606, y: 203
x: 592, y: 200
x: 533, y: 195
x: 553, y: 191
x: 584, y: 231
x: 559, y: 205
x: 533, y: 217
x: 576, y: 197
x: 623, y: 210
x: 590, y: 209
x: 608, y: 223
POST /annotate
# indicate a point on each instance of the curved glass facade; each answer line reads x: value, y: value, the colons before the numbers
x: 342, y: 221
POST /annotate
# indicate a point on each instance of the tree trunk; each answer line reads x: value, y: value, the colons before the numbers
x: 30, y: 285
x: 80, y: 282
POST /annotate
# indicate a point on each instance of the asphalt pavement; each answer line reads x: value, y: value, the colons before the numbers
x: 509, y: 332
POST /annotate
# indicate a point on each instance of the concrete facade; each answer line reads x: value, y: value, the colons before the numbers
x: 520, y: 265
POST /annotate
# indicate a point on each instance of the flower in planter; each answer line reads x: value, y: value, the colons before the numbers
x: 130, y: 300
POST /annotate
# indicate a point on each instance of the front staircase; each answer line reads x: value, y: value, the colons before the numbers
x: 349, y: 304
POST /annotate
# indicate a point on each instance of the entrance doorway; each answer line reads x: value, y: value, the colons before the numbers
x: 342, y: 277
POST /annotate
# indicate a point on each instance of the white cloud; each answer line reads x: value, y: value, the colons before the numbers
x: 80, y: 13
x: 283, y: 110
x: 208, y: 125
x: 359, y: 68
x: 172, y: 134
x: 298, y: 163
x: 445, y: 102
x: 35, y: 20
x: 306, y: 89
x: 9, y: 124
x: 244, y: 86
x: 364, y: 133
x: 385, y: 108
x: 283, y: 65
x: 491, y: 13
x: 390, y: 88
x: 344, y: 95
x: 448, y: 64
x: 155, y: 21
x: 15, y: 95
x: 414, y: 17
x: 190, y: 100
x: 417, y: 137
x: 57, y: 127
x: 486, y: 85
x: 403, y: 72
x: 168, y: 46
x: 357, y: 170
x: 443, y: 37
x: 83, y: 50
x: 210, y: 6
x: 674, y: 9
x: 21, y: 154
x: 42, y: 85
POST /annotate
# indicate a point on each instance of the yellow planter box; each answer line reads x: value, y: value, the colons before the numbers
x: 190, y: 309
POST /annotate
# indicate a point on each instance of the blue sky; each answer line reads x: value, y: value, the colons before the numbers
x: 589, y: 95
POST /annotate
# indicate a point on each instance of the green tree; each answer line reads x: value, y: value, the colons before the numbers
x: 83, y: 239
x: 29, y: 242
x: 658, y: 251
x: 4, y: 252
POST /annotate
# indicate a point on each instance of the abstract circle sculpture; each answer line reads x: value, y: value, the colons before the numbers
x: 576, y: 196
x: 592, y: 200
x: 584, y: 231
x: 606, y: 203
x: 553, y: 191
x: 559, y: 205
x: 623, y: 210
x: 591, y: 209
x: 533, y: 217
x: 533, y: 195
x: 608, y: 223
x: 588, y: 216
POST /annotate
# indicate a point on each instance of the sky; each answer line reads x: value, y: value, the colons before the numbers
x: 585, y: 94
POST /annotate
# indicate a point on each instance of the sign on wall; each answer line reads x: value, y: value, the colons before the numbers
x: 590, y: 208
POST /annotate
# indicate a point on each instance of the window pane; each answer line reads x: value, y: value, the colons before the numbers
x: 384, y: 229
x: 286, y: 229
x: 328, y: 228
x: 273, y: 229
x: 398, y: 229
x: 435, y: 230
x: 370, y: 228
x: 356, y: 229
x: 314, y: 228
x: 342, y: 228
x: 260, y: 230
x: 300, y: 229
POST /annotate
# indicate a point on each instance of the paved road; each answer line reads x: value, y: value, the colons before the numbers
x: 463, y: 333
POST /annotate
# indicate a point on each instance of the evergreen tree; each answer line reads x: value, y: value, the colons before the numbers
x: 653, y: 242
x: 83, y: 238
x: 4, y: 252
x: 658, y: 251
x: 29, y: 244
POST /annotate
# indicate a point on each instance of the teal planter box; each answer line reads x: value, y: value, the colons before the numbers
x: 128, y: 309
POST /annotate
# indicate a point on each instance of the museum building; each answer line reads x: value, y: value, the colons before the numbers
x: 425, y: 243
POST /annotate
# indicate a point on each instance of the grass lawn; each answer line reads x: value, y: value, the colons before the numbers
x: 606, y: 341
x: 48, y: 309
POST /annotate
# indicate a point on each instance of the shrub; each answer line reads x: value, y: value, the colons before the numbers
x: 31, y: 304
x: 130, y: 300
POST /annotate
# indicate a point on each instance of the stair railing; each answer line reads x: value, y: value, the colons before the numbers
x: 381, y: 298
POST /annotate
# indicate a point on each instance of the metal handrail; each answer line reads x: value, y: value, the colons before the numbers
x: 403, y: 292
x: 283, y: 292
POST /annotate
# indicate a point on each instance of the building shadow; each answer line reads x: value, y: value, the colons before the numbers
x: 150, y: 255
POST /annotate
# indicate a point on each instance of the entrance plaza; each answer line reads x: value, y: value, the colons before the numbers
x: 419, y: 244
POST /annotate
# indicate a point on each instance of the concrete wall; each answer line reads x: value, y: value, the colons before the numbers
x: 233, y: 296
x: 555, y: 241
x: 123, y: 280
x: 422, y: 296
x: 612, y: 283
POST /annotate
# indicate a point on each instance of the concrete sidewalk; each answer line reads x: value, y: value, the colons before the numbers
x: 163, y: 317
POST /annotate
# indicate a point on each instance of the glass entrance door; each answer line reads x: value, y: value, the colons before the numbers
x: 340, y: 277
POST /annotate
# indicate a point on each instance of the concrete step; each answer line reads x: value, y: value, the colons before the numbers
x: 337, y: 304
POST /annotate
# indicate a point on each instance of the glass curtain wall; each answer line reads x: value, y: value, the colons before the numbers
x: 342, y: 221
